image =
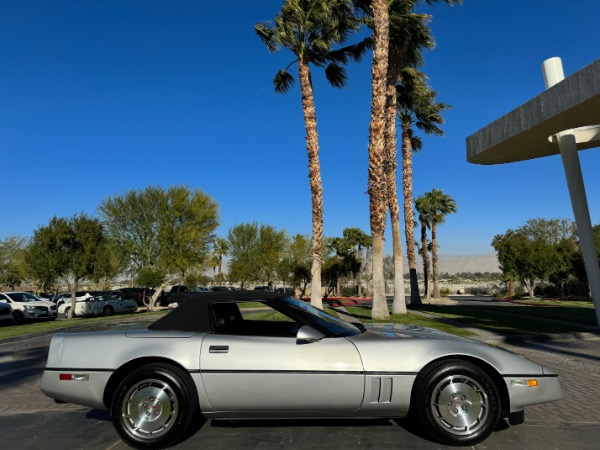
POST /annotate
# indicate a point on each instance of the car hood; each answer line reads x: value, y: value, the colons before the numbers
x: 38, y: 303
x: 393, y: 347
x: 384, y: 331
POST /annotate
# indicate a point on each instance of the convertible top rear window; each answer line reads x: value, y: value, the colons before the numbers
x: 194, y: 313
x: 197, y: 311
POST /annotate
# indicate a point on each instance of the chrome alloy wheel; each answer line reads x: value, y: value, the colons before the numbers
x: 149, y: 408
x: 460, y: 405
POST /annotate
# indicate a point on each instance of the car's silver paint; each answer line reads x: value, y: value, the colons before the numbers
x: 410, y: 348
x: 370, y: 374
x: 319, y: 376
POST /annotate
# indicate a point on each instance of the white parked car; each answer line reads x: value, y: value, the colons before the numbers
x: 27, y: 306
x: 98, y: 305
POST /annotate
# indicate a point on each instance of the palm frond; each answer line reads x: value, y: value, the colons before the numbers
x: 283, y: 81
x: 267, y: 35
x: 336, y: 75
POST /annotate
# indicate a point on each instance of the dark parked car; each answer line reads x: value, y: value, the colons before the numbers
x: 263, y: 288
x: 6, y: 314
x: 288, y: 291
x: 174, y: 295
x: 138, y: 294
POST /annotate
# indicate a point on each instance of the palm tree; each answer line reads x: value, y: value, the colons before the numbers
x: 310, y: 29
x: 417, y: 108
x: 220, y: 249
x: 422, y: 209
x: 409, y: 34
x: 438, y: 205
x: 358, y: 240
x: 376, y: 184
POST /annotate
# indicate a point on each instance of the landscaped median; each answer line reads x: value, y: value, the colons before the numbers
x: 524, y: 320
x: 49, y: 327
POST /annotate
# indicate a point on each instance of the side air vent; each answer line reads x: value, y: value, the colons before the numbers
x: 381, y: 390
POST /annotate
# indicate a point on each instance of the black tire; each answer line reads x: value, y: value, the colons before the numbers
x: 67, y: 309
x: 456, y: 402
x: 108, y: 310
x: 153, y: 406
x: 19, y: 318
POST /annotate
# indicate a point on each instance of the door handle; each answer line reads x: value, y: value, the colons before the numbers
x: 218, y: 349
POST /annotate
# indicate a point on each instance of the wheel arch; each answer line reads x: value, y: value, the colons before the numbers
x: 120, y: 373
x: 483, y: 365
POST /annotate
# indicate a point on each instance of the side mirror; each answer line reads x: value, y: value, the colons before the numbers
x: 307, y: 334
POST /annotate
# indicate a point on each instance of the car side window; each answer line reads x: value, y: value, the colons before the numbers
x: 252, y: 320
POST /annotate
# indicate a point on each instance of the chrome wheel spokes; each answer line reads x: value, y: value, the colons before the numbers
x: 149, y: 408
x: 460, y: 404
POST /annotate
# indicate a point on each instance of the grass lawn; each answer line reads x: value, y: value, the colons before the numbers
x: 63, y: 325
x: 552, y: 302
x: 508, y: 320
x: 364, y: 314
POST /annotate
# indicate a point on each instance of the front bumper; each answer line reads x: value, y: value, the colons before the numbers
x: 548, y: 389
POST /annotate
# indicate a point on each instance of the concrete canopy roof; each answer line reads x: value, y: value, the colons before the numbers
x: 523, y: 133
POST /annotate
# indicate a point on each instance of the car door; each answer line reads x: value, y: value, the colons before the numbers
x: 279, y: 374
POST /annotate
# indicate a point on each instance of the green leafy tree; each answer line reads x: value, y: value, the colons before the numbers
x: 536, y: 251
x: 295, y: 265
x: 311, y: 30
x: 168, y: 231
x: 71, y: 249
x: 255, y: 251
x: 148, y: 278
x: 340, y: 262
x: 12, y: 252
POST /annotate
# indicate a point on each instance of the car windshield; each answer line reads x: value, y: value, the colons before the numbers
x: 22, y: 297
x: 317, y: 318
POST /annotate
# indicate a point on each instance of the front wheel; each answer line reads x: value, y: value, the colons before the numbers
x: 153, y: 406
x: 108, y: 311
x: 19, y: 318
x: 457, y: 402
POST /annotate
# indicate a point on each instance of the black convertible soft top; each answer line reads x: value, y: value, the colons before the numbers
x: 194, y: 313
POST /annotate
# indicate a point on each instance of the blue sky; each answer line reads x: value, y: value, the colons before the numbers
x: 100, y: 97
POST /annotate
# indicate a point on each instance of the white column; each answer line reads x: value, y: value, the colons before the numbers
x: 553, y: 73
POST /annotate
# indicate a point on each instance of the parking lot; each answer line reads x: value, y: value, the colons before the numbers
x: 31, y: 420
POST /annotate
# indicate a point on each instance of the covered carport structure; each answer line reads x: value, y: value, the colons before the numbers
x: 561, y: 120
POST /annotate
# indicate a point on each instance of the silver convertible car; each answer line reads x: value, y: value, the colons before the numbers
x: 216, y: 356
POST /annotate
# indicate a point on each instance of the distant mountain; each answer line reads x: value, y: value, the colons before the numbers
x: 463, y: 263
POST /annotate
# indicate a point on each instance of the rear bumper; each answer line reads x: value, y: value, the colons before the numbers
x: 86, y: 389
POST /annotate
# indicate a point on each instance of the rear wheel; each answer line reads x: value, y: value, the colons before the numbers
x: 108, y: 311
x: 456, y: 402
x: 153, y: 406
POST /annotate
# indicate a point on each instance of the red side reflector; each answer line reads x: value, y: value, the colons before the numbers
x: 65, y: 377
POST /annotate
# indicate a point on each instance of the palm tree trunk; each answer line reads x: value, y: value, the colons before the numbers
x: 425, y: 254
x: 399, y: 303
x: 434, y: 258
x: 407, y: 188
x: 377, y: 203
x: 369, y: 256
x: 314, y: 176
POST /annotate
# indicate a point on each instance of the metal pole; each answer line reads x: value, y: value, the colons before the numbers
x: 553, y: 73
